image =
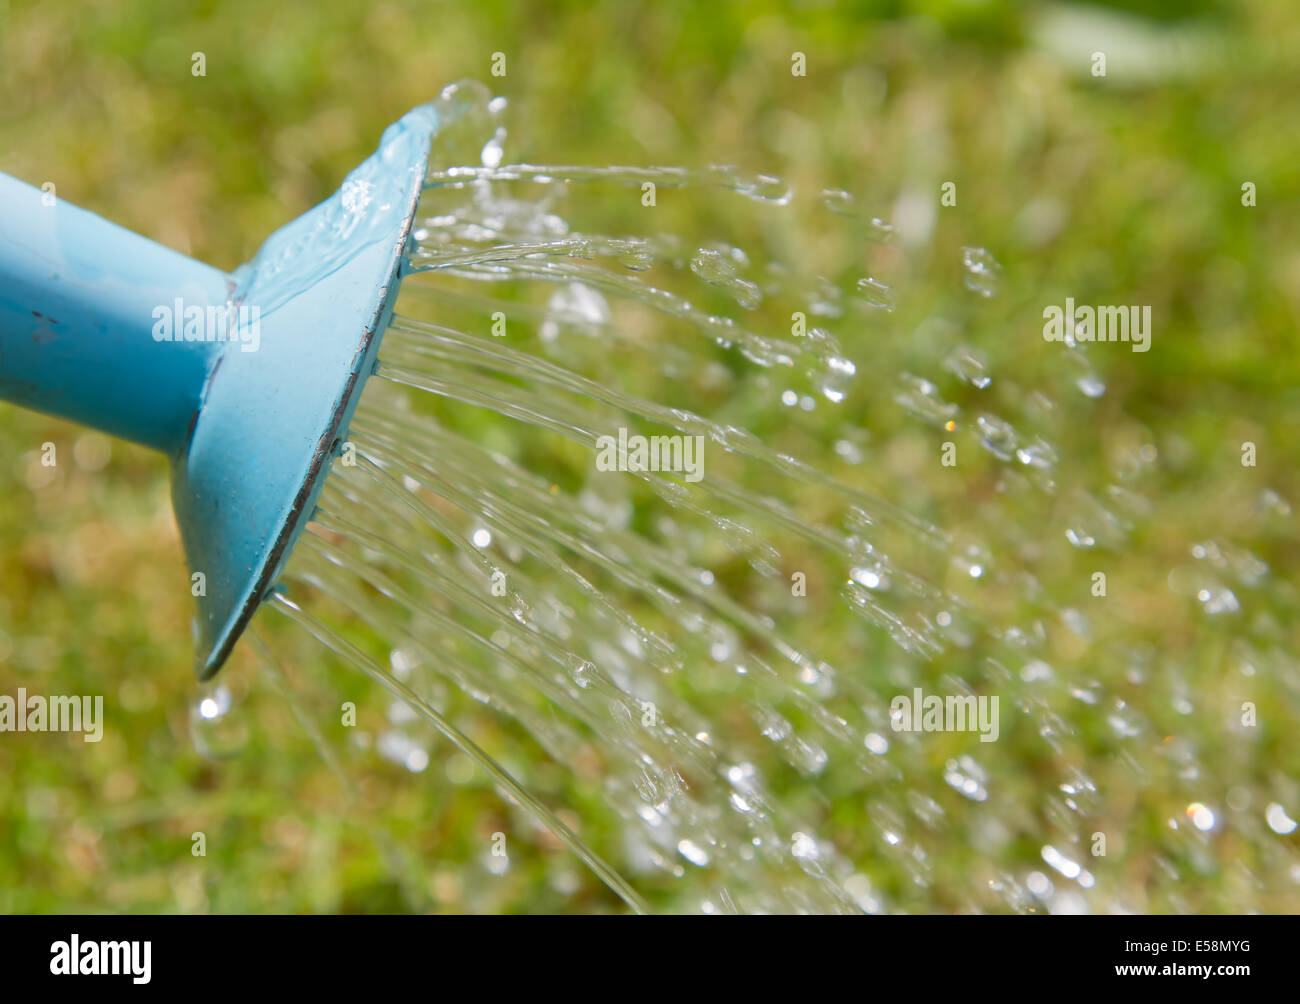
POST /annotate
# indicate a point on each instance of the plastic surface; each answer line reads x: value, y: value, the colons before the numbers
x: 251, y: 415
x: 78, y: 297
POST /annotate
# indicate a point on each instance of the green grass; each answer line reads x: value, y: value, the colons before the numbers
x: 1118, y: 189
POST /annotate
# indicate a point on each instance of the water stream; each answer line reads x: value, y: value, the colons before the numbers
x: 722, y: 652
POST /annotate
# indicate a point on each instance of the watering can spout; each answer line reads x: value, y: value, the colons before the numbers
x: 78, y: 304
x: 247, y: 381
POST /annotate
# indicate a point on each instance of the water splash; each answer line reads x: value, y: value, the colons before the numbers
x: 654, y: 625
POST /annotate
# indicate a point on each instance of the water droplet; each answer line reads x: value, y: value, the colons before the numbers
x: 982, y: 271
x: 997, y: 436
x: 848, y: 451
x: 869, y: 577
x: 766, y: 188
x: 712, y: 265
x: 1218, y: 600
x: 635, y: 254
x: 881, y: 232
x: 693, y: 853
x: 838, y: 201
x: 803, y: 847
x: 214, y: 730
x: 1271, y: 502
x: 1070, y: 869
x: 1201, y: 816
x: 1123, y: 721
x: 1278, y: 820
x: 1038, y: 454
x: 920, y: 398
x: 493, y: 149
x: 874, y: 294
x: 1091, y: 384
x: 577, y: 307
x: 969, y: 367
x: 967, y: 777
x: 402, y: 661
x: 717, y: 268
x: 740, y: 803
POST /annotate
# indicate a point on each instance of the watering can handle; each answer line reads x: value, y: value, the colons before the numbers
x: 84, y: 306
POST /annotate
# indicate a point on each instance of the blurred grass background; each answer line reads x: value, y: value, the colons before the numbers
x: 1081, y: 186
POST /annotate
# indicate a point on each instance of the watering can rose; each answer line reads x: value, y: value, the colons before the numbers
x: 177, y: 322
x: 675, y: 454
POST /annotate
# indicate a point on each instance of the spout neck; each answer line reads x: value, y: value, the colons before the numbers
x: 104, y: 327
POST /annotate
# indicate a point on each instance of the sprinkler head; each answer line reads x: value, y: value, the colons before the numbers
x: 248, y: 380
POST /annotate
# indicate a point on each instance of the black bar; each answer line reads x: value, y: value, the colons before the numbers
x: 381, y: 955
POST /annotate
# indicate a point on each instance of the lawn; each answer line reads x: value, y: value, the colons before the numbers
x: 1170, y: 182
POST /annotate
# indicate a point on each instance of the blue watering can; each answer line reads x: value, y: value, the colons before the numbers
x: 247, y: 380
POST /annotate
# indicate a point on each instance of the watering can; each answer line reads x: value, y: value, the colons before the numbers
x: 247, y: 381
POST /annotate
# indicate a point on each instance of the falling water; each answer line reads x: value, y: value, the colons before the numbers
x: 684, y: 641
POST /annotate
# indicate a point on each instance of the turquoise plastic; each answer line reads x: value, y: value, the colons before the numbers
x: 255, y: 399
